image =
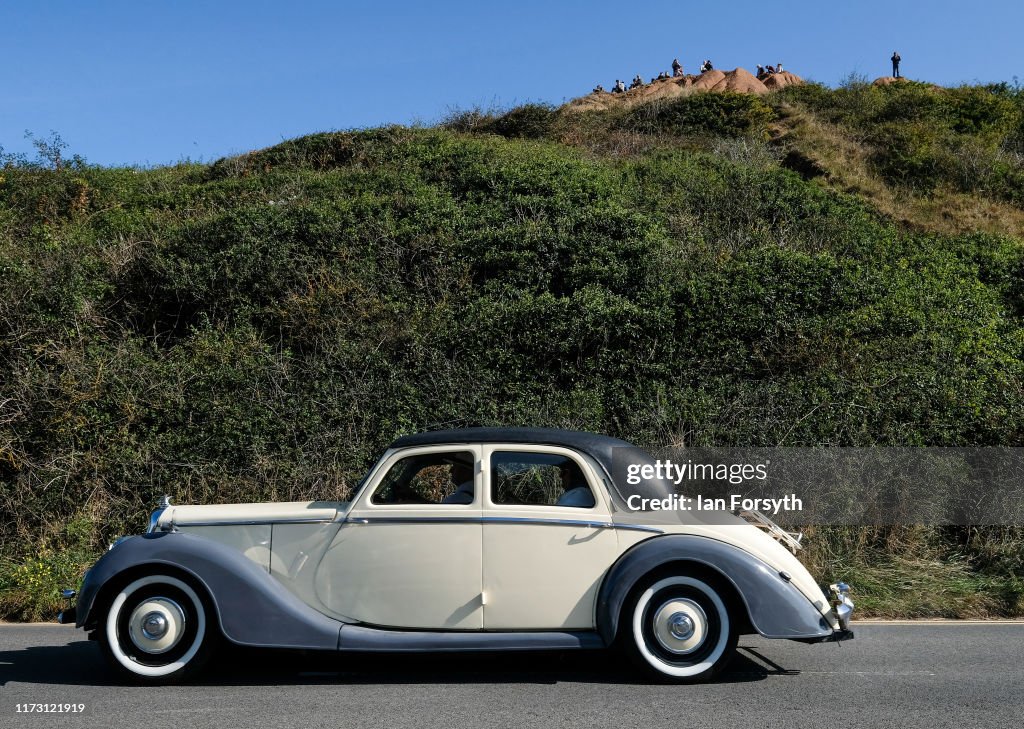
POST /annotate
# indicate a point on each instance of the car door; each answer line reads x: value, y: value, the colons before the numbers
x: 409, y: 552
x: 547, y: 541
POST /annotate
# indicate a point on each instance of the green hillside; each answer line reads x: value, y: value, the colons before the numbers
x: 815, y: 266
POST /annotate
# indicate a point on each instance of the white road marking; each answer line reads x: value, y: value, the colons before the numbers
x: 867, y: 673
x: 954, y: 623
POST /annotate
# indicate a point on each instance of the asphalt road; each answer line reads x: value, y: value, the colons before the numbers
x: 893, y: 675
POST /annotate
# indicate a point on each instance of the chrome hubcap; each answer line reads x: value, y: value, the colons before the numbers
x: 680, y: 626
x: 156, y: 625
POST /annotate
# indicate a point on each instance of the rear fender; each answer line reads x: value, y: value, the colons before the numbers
x: 775, y: 607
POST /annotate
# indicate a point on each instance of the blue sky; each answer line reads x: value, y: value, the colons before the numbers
x: 154, y: 82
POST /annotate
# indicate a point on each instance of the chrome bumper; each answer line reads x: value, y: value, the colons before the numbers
x: 842, y: 609
x: 842, y: 605
x: 68, y: 615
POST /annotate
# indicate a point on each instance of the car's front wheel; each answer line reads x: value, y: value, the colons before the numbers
x: 157, y: 629
x: 678, y: 629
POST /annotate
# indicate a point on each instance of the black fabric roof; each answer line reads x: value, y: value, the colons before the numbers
x: 591, y: 443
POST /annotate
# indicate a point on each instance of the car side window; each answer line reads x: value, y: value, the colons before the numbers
x: 429, y: 478
x: 538, y: 479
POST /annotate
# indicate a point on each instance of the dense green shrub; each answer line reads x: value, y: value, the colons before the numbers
x: 975, y: 110
x: 909, y: 153
x: 921, y: 136
x: 720, y: 114
x: 529, y: 121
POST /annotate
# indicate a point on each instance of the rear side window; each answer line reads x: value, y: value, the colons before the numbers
x: 538, y: 479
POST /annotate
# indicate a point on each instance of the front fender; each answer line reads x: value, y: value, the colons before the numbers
x: 252, y: 607
x: 776, y: 608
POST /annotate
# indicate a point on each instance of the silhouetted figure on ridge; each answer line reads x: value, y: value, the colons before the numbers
x: 706, y: 66
x: 895, y: 64
x: 677, y: 67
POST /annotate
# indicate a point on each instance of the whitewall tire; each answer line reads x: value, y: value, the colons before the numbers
x: 678, y: 629
x: 157, y: 630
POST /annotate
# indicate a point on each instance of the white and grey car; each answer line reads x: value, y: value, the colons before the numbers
x: 458, y: 540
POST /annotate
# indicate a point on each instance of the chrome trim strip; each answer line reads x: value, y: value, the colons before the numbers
x: 413, y: 520
x: 498, y: 520
x: 567, y: 522
x: 542, y: 520
x: 639, y: 528
x: 248, y: 522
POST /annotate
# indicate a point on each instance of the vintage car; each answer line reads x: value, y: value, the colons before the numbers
x: 460, y: 540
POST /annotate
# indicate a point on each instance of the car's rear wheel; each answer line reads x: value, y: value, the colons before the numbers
x: 157, y: 629
x: 678, y: 629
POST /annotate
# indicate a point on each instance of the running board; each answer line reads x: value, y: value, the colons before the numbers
x: 379, y: 640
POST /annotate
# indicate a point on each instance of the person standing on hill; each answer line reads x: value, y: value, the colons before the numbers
x: 677, y: 67
x: 895, y: 64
